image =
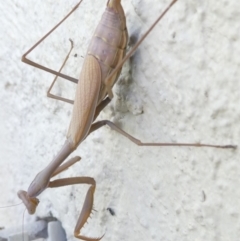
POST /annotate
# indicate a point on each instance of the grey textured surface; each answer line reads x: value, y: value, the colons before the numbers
x: 185, y: 79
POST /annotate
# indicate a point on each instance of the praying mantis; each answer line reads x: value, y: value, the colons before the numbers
x: 109, y: 94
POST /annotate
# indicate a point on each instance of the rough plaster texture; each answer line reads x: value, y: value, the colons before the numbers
x: 185, y: 79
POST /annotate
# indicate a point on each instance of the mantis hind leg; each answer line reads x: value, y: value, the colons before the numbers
x: 32, y: 63
x: 99, y: 124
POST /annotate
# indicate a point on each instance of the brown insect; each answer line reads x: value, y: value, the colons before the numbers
x: 105, y: 57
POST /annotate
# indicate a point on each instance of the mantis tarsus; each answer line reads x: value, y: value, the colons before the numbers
x: 91, y: 98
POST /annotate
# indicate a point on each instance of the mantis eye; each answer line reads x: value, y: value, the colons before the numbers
x: 32, y: 205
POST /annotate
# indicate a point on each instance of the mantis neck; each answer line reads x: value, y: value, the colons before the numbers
x: 64, y: 152
x: 42, y: 179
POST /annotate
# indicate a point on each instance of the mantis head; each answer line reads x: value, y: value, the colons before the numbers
x: 29, y: 202
x: 38, y: 185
